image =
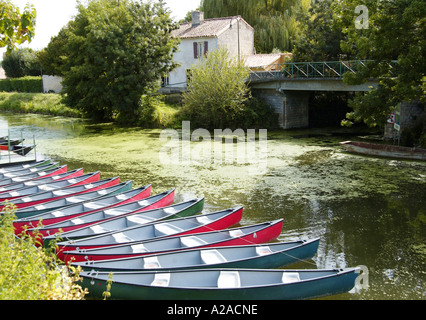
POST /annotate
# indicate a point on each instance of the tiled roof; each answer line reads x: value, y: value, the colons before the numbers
x: 209, y: 28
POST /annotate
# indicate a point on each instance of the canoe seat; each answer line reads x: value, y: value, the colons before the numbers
x: 138, y: 220
x: 114, y: 212
x: 191, y: 241
x: 151, y: 263
x: 229, y: 279
x: 212, y: 256
x: 236, y: 233
x: 77, y: 221
x: 121, y: 237
x: 289, y: 277
x: 98, y: 229
x: 166, y: 229
x: 139, y: 248
x: 203, y: 219
x: 263, y: 250
x: 161, y: 280
x: 92, y: 205
x: 73, y: 199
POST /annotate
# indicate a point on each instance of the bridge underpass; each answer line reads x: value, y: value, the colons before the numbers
x: 287, y: 87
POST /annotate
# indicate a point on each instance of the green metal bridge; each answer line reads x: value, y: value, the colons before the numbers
x: 309, y: 70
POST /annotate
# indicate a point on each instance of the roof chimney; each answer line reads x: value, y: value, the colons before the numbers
x: 197, y: 18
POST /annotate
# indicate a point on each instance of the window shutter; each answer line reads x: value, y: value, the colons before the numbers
x: 195, y: 50
x: 206, y: 47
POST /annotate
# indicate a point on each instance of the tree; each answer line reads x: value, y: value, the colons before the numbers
x: 275, y: 21
x: 395, y: 32
x: 117, y: 51
x: 21, y: 63
x: 16, y: 27
x: 321, y: 34
x: 53, y: 57
x: 217, y: 90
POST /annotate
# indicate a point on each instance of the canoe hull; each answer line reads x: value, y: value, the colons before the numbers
x: 54, y: 170
x: 21, y: 203
x: 54, y: 185
x: 264, y: 233
x: 83, y: 231
x: 145, y: 232
x: 56, y: 204
x: 381, y: 150
x: 35, y: 223
x: 327, y: 282
x: 264, y: 256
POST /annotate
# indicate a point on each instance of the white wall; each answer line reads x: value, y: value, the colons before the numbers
x: 231, y: 38
x: 185, y: 56
x: 52, y: 83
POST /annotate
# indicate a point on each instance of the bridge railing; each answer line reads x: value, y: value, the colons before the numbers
x: 307, y: 70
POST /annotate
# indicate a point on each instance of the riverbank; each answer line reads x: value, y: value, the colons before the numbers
x: 164, y: 114
x: 40, y: 103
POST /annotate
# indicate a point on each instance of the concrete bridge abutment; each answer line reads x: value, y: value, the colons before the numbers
x: 291, y: 107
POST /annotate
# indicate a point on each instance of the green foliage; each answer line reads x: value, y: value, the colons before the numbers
x: 396, y: 31
x: 21, y: 63
x: 53, y: 58
x: 16, y: 27
x: 217, y: 90
x: 116, y: 52
x: 275, y: 21
x: 156, y: 113
x: 28, y: 272
x: 36, y: 103
x: 25, y: 84
x: 321, y: 34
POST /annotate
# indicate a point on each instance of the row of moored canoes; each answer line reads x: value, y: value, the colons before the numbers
x: 156, y: 248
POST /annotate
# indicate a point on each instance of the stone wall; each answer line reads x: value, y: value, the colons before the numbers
x: 409, y: 113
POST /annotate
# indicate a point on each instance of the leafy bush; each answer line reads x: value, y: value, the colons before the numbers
x: 28, y: 272
x: 217, y: 91
x: 218, y: 96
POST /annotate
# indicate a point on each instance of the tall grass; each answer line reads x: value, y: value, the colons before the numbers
x: 49, y: 104
x: 28, y: 272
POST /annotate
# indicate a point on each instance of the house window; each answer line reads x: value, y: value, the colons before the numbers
x: 200, y: 49
x: 165, y: 81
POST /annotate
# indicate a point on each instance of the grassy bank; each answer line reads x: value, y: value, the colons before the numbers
x: 35, y: 103
x: 165, y: 115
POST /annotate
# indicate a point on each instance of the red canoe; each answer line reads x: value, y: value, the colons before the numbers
x: 66, y: 175
x: 26, y: 171
x: 56, y: 185
x: 176, y: 227
x: 75, y: 210
x: 62, y: 193
x: 157, y: 201
x: 34, y: 175
x: 248, y: 235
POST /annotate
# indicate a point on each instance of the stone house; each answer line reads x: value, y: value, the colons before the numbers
x: 201, y: 35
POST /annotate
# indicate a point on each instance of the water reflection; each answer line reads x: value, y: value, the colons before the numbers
x: 366, y: 211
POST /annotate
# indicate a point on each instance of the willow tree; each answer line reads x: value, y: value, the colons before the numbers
x: 275, y: 21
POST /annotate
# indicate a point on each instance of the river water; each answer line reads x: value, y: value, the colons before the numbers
x: 368, y: 212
